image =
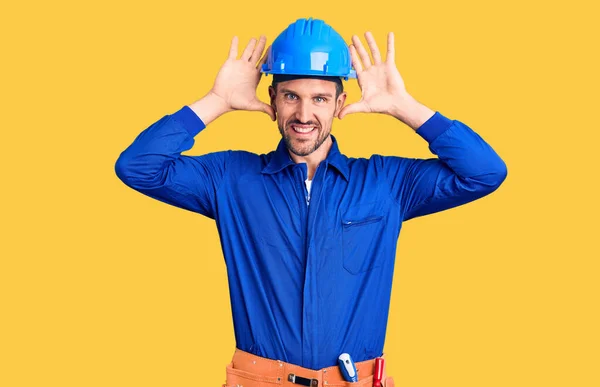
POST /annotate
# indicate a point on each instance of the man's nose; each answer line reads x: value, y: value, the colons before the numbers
x: 303, y: 113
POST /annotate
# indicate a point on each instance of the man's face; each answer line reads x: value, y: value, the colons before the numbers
x: 305, y: 110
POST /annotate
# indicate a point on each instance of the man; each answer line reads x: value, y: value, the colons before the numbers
x: 308, y: 234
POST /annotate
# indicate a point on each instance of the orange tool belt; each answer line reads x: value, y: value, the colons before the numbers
x: 248, y: 370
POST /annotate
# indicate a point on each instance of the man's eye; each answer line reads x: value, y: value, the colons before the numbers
x: 290, y: 96
x: 319, y: 99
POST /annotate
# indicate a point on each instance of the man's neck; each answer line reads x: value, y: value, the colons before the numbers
x: 314, y: 159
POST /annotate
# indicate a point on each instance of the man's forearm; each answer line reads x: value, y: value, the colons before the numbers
x: 411, y: 112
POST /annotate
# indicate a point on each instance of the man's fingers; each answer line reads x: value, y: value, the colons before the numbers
x: 268, y: 109
x: 260, y: 106
x: 364, y: 56
x: 391, y: 51
x: 233, y: 49
x: 352, y: 108
x: 263, y: 60
x: 373, y: 46
x: 258, y: 50
x: 355, y: 61
x: 248, y: 50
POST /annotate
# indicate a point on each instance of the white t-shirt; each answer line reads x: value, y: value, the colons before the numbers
x: 308, y: 184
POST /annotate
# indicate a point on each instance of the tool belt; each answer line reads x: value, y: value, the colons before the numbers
x: 248, y: 370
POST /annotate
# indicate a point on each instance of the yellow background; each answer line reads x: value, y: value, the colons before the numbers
x: 102, y: 286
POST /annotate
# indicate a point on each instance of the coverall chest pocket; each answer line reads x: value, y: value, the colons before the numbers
x: 362, y: 233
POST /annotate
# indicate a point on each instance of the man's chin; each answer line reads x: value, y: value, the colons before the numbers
x: 301, y: 149
x: 301, y: 152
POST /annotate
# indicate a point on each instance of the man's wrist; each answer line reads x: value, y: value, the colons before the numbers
x: 411, y: 112
x: 209, y: 107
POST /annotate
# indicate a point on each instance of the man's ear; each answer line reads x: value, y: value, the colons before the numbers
x: 272, y: 95
x: 339, y: 103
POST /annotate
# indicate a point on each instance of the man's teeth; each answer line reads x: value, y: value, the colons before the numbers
x: 303, y: 130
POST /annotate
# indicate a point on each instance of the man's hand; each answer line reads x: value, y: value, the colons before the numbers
x: 236, y: 83
x: 382, y: 87
x: 238, y: 79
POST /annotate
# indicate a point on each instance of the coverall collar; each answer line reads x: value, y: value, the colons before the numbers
x: 281, y: 159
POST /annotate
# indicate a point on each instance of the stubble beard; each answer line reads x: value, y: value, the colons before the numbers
x: 305, y: 148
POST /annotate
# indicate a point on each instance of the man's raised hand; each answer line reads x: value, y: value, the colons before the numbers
x: 238, y: 79
x: 382, y: 87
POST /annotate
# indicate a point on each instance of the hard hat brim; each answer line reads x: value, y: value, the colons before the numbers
x: 351, y: 75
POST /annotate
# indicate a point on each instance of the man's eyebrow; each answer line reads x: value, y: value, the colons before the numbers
x: 284, y: 90
x: 323, y: 95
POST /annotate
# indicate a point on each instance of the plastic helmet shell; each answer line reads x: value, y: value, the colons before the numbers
x: 309, y: 47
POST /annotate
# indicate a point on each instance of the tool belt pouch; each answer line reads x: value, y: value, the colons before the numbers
x: 246, y: 370
x: 236, y: 377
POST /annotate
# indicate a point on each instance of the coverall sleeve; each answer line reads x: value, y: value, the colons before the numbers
x: 466, y: 169
x: 154, y: 166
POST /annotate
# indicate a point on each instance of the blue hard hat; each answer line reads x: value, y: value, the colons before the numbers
x: 309, y: 47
